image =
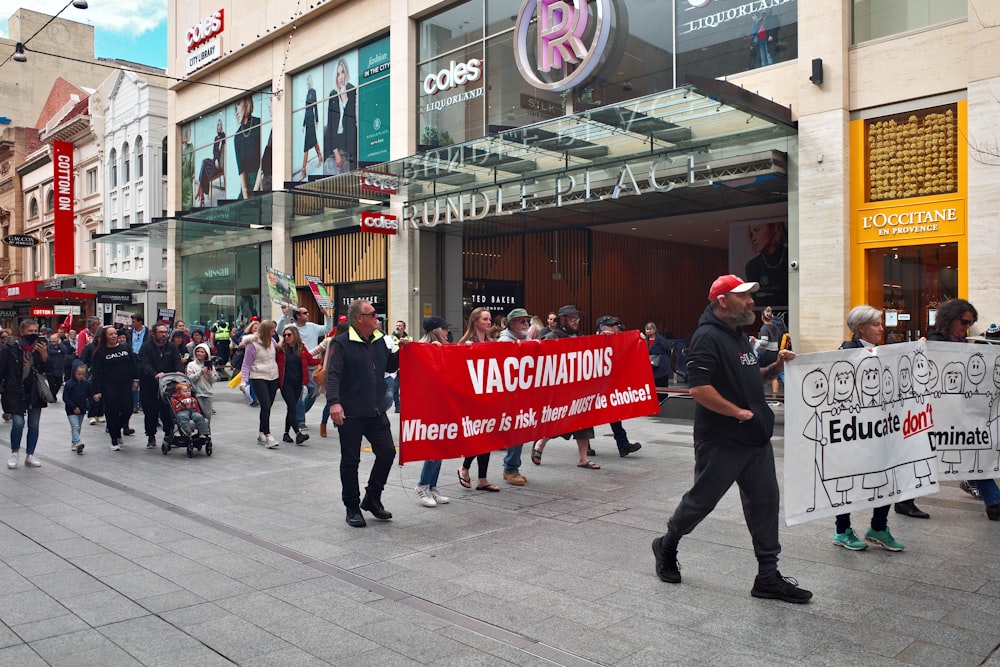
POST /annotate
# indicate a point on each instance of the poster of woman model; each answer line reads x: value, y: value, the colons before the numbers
x: 340, y: 133
x: 758, y: 251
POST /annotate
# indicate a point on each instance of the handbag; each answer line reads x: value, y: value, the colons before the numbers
x: 319, y: 375
x: 654, y: 359
x: 44, y: 390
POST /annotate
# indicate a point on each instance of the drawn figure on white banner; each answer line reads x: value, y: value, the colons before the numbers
x: 994, y: 414
x: 922, y: 381
x: 888, y: 388
x: 842, y: 394
x: 814, y: 394
x: 869, y: 375
x: 905, y: 378
x: 976, y: 374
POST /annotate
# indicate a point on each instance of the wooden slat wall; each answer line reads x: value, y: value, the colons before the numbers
x: 636, y: 279
x: 342, y: 258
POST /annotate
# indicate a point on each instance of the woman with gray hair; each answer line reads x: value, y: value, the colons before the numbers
x: 866, y: 328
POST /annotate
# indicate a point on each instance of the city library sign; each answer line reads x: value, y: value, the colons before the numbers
x: 659, y: 174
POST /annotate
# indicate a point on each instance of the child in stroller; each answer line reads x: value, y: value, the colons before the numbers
x: 192, y: 427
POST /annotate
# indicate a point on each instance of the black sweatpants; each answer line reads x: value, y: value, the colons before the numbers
x: 717, y: 466
x: 153, y: 409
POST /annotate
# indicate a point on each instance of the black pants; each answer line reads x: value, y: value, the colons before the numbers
x: 291, y: 392
x: 55, y: 382
x: 717, y: 466
x: 376, y: 429
x: 621, y: 437
x: 482, y: 459
x: 880, y: 519
x: 117, y: 407
x: 265, y: 391
x: 96, y: 409
x: 222, y: 350
x: 153, y: 409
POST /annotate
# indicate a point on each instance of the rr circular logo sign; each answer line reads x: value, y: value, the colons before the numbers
x: 561, y: 26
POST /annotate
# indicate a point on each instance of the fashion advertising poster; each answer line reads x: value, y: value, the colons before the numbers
x: 226, y: 154
x: 758, y: 251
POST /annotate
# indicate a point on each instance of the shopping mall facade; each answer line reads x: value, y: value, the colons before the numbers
x: 617, y: 155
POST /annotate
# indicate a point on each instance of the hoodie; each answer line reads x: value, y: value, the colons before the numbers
x: 76, y: 394
x: 201, y: 383
x: 723, y: 357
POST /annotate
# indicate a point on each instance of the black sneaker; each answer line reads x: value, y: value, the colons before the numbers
x: 151, y: 442
x: 591, y: 452
x: 667, y: 568
x: 993, y: 512
x: 629, y: 448
x: 301, y: 437
x: 286, y: 438
x: 782, y: 588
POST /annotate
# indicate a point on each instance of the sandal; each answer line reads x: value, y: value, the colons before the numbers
x: 464, y: 481
x: 589, y: 465
x: 489, y: 487
x: 536, y: 456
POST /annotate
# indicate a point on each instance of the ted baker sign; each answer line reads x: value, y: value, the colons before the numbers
x: 378, y: 223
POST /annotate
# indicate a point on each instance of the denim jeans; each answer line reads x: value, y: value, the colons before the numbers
x: 17, y: 428
x: 988, y: 490
x: 429, y: 473
x: 389, y: 382
x: 512, y: 462
x: 75, y: 422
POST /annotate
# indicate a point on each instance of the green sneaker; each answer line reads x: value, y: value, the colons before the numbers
x: 849, y: 540
x: 884, y: 539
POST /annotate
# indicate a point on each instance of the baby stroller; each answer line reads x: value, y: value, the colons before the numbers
x: 178, y: 437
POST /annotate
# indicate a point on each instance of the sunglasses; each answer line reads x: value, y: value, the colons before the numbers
x: 287, y: 335
x: 573, y: 319
x: 371, y: 314
x: 967, y: 323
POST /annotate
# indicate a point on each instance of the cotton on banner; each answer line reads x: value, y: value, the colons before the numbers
x: 868, y: 428
x: 463, y: 400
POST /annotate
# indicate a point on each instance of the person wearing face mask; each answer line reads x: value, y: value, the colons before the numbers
x: 18, y: 360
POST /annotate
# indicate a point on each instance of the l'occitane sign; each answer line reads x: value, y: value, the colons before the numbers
x: 944, y: 217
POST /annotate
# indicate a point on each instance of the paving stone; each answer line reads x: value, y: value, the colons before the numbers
x: 21, y: 655
x: 51, y: 627
x: 103, y: 607
x: 31, y: 606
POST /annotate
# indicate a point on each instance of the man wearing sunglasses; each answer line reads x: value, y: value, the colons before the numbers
x: 355, y: 389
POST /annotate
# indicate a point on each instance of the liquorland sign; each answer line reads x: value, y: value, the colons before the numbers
x: 204, y: 42
x: 560, y: 27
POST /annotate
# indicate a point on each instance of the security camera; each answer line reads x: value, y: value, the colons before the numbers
x: 416, y: 290
x: 794, y: 265
x: 83, y: 285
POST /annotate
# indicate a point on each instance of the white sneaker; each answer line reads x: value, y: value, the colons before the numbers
x: 31, y: 461
x: 261, y: 438
x: 115, y: 447
x: 100, y: 420
x: 270, y: 442
x: 79, y: 448
x: 93, y: 420
x: 424, y: 496
x: 438, y: 498
x: 12, y: 461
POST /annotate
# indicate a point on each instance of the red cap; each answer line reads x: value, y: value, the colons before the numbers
x: 254, y: 318
x: 730, y: 283
x: 342, y: 318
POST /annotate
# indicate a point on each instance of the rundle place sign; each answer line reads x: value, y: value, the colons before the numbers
x: 561, y: 27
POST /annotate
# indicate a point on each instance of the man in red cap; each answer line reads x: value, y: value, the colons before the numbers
x: 732, y: 438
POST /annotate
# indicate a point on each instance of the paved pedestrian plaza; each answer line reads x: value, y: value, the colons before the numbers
x: 136, y: 558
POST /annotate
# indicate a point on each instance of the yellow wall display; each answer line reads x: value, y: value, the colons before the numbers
x: 908, y: 185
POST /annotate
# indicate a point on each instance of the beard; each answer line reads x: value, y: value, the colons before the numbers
x: 738, y: 319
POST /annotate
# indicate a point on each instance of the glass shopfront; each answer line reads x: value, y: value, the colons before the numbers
x: 223, y: 282
x: 469, y: 83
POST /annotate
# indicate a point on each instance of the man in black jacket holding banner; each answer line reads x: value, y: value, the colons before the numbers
x: 733, y: 425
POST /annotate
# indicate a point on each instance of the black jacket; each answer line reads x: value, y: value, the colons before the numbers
x: 77, y: 395
x: 355, y: 373
x: 852, y: 344
x: 20, y: 393
x: 723, y: 357
x: 153, y: 360
x: 560, y: 332
x: 113, y: 366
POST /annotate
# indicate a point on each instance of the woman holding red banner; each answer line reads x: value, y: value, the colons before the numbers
x: 436, y: 333
x: 479, y: 330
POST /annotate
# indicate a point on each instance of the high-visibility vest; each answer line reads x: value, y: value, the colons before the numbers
x: 222, y: 331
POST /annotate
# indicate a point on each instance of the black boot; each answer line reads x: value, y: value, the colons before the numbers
x: 374, y: 505
x: 355, y: 518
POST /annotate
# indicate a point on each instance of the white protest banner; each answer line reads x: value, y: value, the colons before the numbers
x: 123, y: 317
x: 866, y: 428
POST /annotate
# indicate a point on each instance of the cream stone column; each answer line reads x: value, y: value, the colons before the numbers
x: 823, y: 177
x: 983, y: 272
x: 404, y: 247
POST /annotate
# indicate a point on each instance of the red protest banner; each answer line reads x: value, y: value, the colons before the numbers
x: 463, y: 400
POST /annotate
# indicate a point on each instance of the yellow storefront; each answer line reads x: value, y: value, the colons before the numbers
x: 909, y: 249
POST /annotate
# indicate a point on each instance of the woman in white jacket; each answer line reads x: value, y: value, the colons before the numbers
x: 203, y: 375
